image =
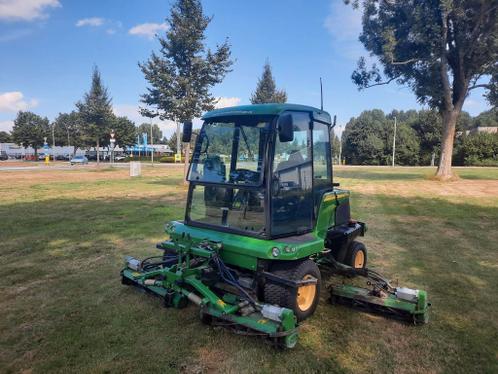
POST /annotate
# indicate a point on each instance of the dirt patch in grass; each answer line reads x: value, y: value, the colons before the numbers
x: 462, y: 189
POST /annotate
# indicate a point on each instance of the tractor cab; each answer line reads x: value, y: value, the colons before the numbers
x: 260, y: 170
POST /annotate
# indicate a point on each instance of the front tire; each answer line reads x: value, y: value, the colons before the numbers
x: 303, y: 300
x: 356, y: 256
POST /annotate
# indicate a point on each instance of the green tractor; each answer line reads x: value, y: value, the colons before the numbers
x: 263, y: 217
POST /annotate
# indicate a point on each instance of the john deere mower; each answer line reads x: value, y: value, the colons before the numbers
x: 263, y: 220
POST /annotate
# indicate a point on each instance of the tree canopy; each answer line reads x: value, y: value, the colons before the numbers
x: 181, y: 75
x: 30, y: 130
x: 266, y: 89
x: 157, y: 134
x: 440, y: 49
x: 69, y: 130
x: 5, y: 137
x: 367, y: 139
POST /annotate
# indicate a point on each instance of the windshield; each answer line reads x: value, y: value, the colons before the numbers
x: 231, y: 151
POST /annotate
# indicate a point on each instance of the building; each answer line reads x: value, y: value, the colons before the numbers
x: 16, y: 151
x: 483, y: 129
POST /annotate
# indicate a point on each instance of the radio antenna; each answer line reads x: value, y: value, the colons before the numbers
x: 321, y: 94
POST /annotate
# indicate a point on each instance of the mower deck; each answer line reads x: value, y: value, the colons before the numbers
x: 177, y: 286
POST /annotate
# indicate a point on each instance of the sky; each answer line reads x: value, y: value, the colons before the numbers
x: 49, y: 47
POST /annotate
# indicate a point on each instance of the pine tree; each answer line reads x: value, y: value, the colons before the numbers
x: 182, y: 73
x: 96, y: 112
x: 266, y: 90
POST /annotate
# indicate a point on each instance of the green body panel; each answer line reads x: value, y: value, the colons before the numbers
x: 244, y: 251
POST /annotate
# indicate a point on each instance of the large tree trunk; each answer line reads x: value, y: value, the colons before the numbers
x: 449, y: 125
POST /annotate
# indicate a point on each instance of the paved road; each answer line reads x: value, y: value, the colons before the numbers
x: 4, y: 166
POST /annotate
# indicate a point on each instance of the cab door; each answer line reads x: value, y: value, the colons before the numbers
x: 292, y: 181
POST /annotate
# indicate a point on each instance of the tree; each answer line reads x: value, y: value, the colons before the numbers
x: 363, y: 139
x: 125, y: 132
x: 181, y: 75
x: 480, y: 149
x: 68, y: 130
x: 368, y: 139
x: 441, y: 49
x: 336, y: 147
x: 428, y: 127
x: 96, y: 112
x: 266, y: 90
x: 5, y: 137
x: 488, y: 118
x: 30, y: 130
x: 157, y: 134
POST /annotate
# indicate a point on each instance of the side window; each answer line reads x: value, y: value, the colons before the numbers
x: 321, y: 154
x: 292, y: 181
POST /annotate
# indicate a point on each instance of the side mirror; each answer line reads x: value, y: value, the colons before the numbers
x: 286, y: 128
x: 187, y: 132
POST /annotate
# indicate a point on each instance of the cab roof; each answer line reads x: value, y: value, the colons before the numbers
x: 267, y: 109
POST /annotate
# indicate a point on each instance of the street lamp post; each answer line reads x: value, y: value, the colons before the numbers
x: 53, y: 142
x: 151, y: 145
x: 394, y: 141
x: 113, y: 142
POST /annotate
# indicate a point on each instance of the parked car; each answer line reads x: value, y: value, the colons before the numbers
x: 120, y: 158
x: 79, y: 160
x: 3, y: 156
x: 41, y: 156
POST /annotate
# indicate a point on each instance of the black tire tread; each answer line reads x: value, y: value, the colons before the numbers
x: 284, y: 296
x: 353, y: 248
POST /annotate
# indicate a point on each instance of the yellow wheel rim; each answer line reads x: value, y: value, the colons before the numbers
x: 306, y: 294
x: 359, y: 260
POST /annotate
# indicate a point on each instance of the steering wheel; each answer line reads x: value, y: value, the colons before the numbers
x: 244, y: 175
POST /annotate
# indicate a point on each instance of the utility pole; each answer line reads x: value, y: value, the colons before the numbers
x: 340, y: 147
x: 151, y: 144
x: 53, y: 142
x: 394, y: 140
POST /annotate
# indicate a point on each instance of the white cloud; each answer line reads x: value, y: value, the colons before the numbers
x: 148, y: 30
x: 26, y: 10
x: 13, y: 102
x: 344, y: 25
x: 343, y: 22
x: 92, y: 21
x: 6, y: 125
x: 224, y: 102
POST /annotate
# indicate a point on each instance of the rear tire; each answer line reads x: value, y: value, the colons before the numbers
x: 303, y: 300
x: 356, y: 256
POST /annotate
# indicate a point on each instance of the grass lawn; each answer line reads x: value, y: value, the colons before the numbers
x: 64, y: 234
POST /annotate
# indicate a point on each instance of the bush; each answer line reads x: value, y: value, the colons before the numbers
x: 480, y: 149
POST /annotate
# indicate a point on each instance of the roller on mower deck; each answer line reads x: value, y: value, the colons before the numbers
x: 263, y: 220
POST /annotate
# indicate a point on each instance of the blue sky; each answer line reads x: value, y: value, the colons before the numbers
x: 48, y: 48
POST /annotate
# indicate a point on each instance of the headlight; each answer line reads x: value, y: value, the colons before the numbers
x: 275, y: 251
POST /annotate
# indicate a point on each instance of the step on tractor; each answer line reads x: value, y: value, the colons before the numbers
x: 263, y: 221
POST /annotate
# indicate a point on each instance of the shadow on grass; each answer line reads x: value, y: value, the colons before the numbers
x: 62, y: 307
